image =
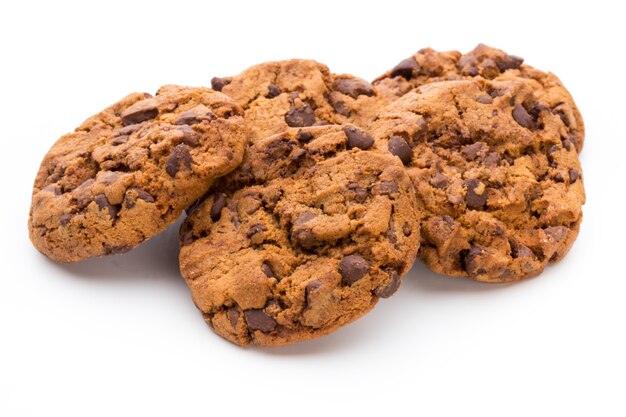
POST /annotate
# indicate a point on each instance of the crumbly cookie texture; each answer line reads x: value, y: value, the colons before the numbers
x: 300, y: 93
x: 427, y: 66
x: 496, y: 175
x: 126, y: 173
x: 303, y: 238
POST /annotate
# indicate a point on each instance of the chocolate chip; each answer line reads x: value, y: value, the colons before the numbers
x: 179, y: 157
x: 470, y: 152
x: 391, y: 288
x: 439, y: 180
x: 406, y: 229
x: 352, y: 268
x: 190, y: 136
x: 304, y: 238
x: 128, y: 130
x: 233, y: 316
x: 259, y: 320
x: 391, y: 232
x: 195, y: 115
x: 219, y: 201
x: 400, y: 148
x: 218, y: 83
x: 304, y: 137
x: 304, y: 217
x: 65, y: 219
x: 567, y: 144
x: 267, y: 270
x: 519, y: 250
x: 473, y: 199
x: 272, y: 91
x: 485, y: 99
x: 187, y: 238
x: 573, y: 176
x: 257, y: 228
x: 492, y: 159
x: 103, y: 202
x: 358, y: 138
x: 119, y: 140
x: 405, y: 68
x: 140, y: 112
x: 310, y: 288
x: 388, y: 188
x: 353, y: 88
x: 304, y: 116
x: 118, y: 250
x: 509, y: 62
x: 130, y: 201
x: 522, y: 117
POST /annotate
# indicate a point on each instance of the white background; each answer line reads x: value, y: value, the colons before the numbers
x: 120, y: 336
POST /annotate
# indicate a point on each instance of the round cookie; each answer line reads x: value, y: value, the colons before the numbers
x: 306, y: 238
x: 428, y: 65
x: 126, y: 173
x: 299, y: 93
x: 495, y: 173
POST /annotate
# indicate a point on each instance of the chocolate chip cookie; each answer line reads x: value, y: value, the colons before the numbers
x: 303, y: 238
x: 299, y: 93
x: 126, y: 173
x: 428, y: 65
x: 495, y: 172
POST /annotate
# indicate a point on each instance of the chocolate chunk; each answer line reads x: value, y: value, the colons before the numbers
x: 422, y: 128
x: 257, y: 228
x: 267, y: 270
x: 492, y: 160
x: 353, y: 88
x: 190, y: 136
x: 233, y: 316
x: 467, y: 64
x: 128, y: 130
x: 473, y: 198
x: 219, y: 201
x: 130, y: 201
x: 272, y: 91
x: 400, y: 148
x: 485, y: 99
x: 187, y: 238
x: 471, y: 261
x: 358, y: 138
x: 338, y: 104
x: 388, y: 188
x: 195, y: 115
x: 522, y: 117
x: 259, y: 320
x: 519, y: 250
x: 118, y: 250
x: 361, y: 193
x: 179, y: 157
x: 140, y: 112
x: 103, y: 202
x: 65, y: 219
x: 391, y: 288
x: 304, y: 217
x: 556, y: 233
x: 509, y: 62
x: 439, y: 180
x: 406, y: 229
x: 573, y: 176
x: 352, y: 268
x: 391, y: 232
x: 470, y: 152
x: 405, y: 68
x: 218, y: 83
x: 304, y: 116
x: 311, y: 287
x: 304, y: 238
x: 304, y: 137
x: 119, y: 140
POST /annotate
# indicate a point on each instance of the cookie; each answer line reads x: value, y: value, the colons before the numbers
x: 428, y: 65
x: 126, y: 173
x: 299, y: 93
x: 314, y: 228
x: 495, y: 172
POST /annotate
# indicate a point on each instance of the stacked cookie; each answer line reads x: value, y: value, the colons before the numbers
x: 309, y: 194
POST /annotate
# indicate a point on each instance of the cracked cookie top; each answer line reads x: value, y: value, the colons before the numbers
x: 129, y: 171
x: 299, y: 93
x: 303, y: 238
x: 495, y: 172
x: 427, y: 66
